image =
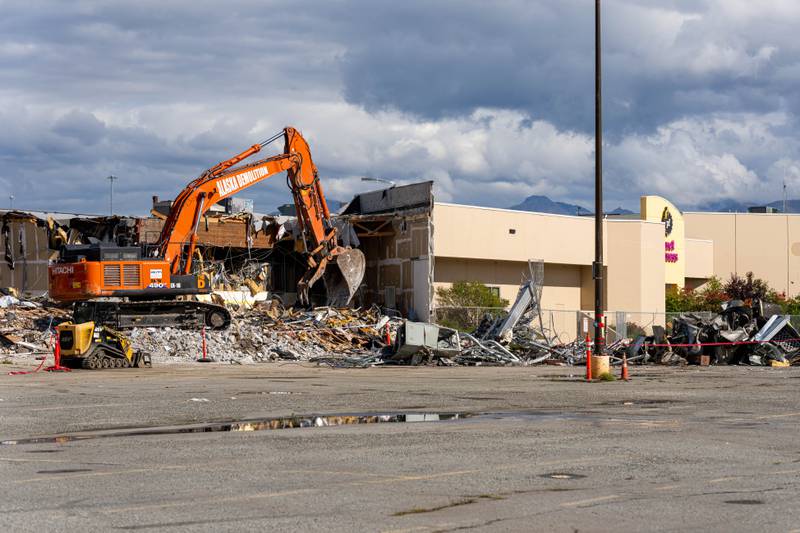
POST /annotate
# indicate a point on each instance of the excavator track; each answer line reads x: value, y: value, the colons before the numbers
x: 156, y: 314
x: 106, y: 356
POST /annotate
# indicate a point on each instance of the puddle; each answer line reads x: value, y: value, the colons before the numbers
x: 44, y: 451
x: 563, y: 475
x: 64, y: 471
x: 308, y: 421
x: 291, y: 422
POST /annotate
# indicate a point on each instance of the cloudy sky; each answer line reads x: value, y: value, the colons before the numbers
x: 492, y: 100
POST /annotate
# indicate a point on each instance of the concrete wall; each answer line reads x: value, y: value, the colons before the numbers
x: 472, y: 232
x: 26, y: 242
x: 474, y: 243
x: 398, y: 265
x: 561, y: 294
x: 562, y: 283
x: 699, y: 259
x: 636, y: 267
x: 766, y: 244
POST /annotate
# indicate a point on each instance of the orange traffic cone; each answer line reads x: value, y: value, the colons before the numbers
x: 624, y: 366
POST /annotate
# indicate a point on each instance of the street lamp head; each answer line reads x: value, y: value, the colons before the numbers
x: 379, y: 180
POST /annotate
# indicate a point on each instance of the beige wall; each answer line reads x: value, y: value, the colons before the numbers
x: 561, y: 294
x: 562, y: 283
x: 699, y: 259
x: 636, y: 268
x: 766, y: 244
x: 484, y: 233
x: 473, y: 243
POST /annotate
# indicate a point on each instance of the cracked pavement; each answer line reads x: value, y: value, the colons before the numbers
x: 711, y: 449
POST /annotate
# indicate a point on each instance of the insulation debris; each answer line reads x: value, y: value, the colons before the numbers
x: 26, y: 325
x: 271, y: 332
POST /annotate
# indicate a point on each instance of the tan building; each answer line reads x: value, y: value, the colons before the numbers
x: 766, y: 244
x: 414, y: 245
x: 493, y: 246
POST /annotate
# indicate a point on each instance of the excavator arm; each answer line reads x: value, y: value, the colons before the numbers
x: 179, y: 235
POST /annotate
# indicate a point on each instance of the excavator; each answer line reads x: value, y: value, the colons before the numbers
x: 152, y: 287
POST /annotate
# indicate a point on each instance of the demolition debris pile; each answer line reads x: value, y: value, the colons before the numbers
x: 740, y: 334
x: 272, y: 333
x: 266, y: 331
x: 25, y: 326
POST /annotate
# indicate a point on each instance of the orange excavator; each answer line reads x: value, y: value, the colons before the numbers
x: 129, y: 286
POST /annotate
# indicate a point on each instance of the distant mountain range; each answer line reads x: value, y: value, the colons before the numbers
x: 734, y: 206
x: 543, y: 204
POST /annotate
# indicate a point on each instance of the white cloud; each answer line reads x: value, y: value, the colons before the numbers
x: 493, y: 104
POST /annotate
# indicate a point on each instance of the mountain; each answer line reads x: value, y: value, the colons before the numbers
x: 735, y: 206
x: 620, y: 211
x: 792, y: 206
x: 721, y: 206
x: 543, y: 204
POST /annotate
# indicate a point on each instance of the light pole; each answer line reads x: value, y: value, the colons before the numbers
x: 597, y: 267
x: 379, y: 180
x: 111, y: 180
x: 10, y: 202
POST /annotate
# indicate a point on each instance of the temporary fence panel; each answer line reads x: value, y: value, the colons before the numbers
x: 561, y: 326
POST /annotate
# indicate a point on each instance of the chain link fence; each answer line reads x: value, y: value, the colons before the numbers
x: 564, y: 326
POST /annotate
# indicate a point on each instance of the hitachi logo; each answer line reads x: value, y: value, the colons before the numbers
x: 63, y: 269
x: 227, y: 186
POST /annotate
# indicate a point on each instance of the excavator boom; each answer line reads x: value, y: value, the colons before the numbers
x: 169, y: 273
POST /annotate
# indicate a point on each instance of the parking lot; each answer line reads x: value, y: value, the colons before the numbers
x: 180, y: 447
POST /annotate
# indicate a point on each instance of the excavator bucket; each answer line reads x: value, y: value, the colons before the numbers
x: 343, y: 275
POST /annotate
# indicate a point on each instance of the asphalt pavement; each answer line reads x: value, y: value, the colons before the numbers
x: 187, y: 448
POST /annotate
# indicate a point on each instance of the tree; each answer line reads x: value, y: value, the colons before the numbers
x: 708, y: 298
x: 469, y: 294
x: 714, y: 293
x: 462, y: 305
x: 748, y: 288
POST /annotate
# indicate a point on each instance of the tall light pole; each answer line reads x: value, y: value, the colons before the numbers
x: 597, y: 266
x: 10, y: 202
x: 111, y: 180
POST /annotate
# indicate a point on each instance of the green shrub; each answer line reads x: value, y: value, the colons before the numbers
x: 465, y: 303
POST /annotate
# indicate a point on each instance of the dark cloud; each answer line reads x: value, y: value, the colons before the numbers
x: 493, y: 100
x: 661, y: 61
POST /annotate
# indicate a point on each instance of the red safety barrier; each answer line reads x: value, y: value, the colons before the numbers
x: 54, y: 368
x: 57, y: 356
x: 588, y: 358
x: 22, y: 372
x: 735, y: 343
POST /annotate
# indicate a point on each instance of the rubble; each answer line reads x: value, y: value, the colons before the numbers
x: 25, y: 325
x: 271, y: 332
x: 264, y: 330
x: 740, y: 334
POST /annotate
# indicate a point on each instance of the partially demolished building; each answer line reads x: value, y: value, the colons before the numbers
x: 412, y: 246
x: 246, y: 251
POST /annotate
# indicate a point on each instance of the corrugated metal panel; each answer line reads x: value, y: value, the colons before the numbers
x: 112, y: 275
x: 130, y: 275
